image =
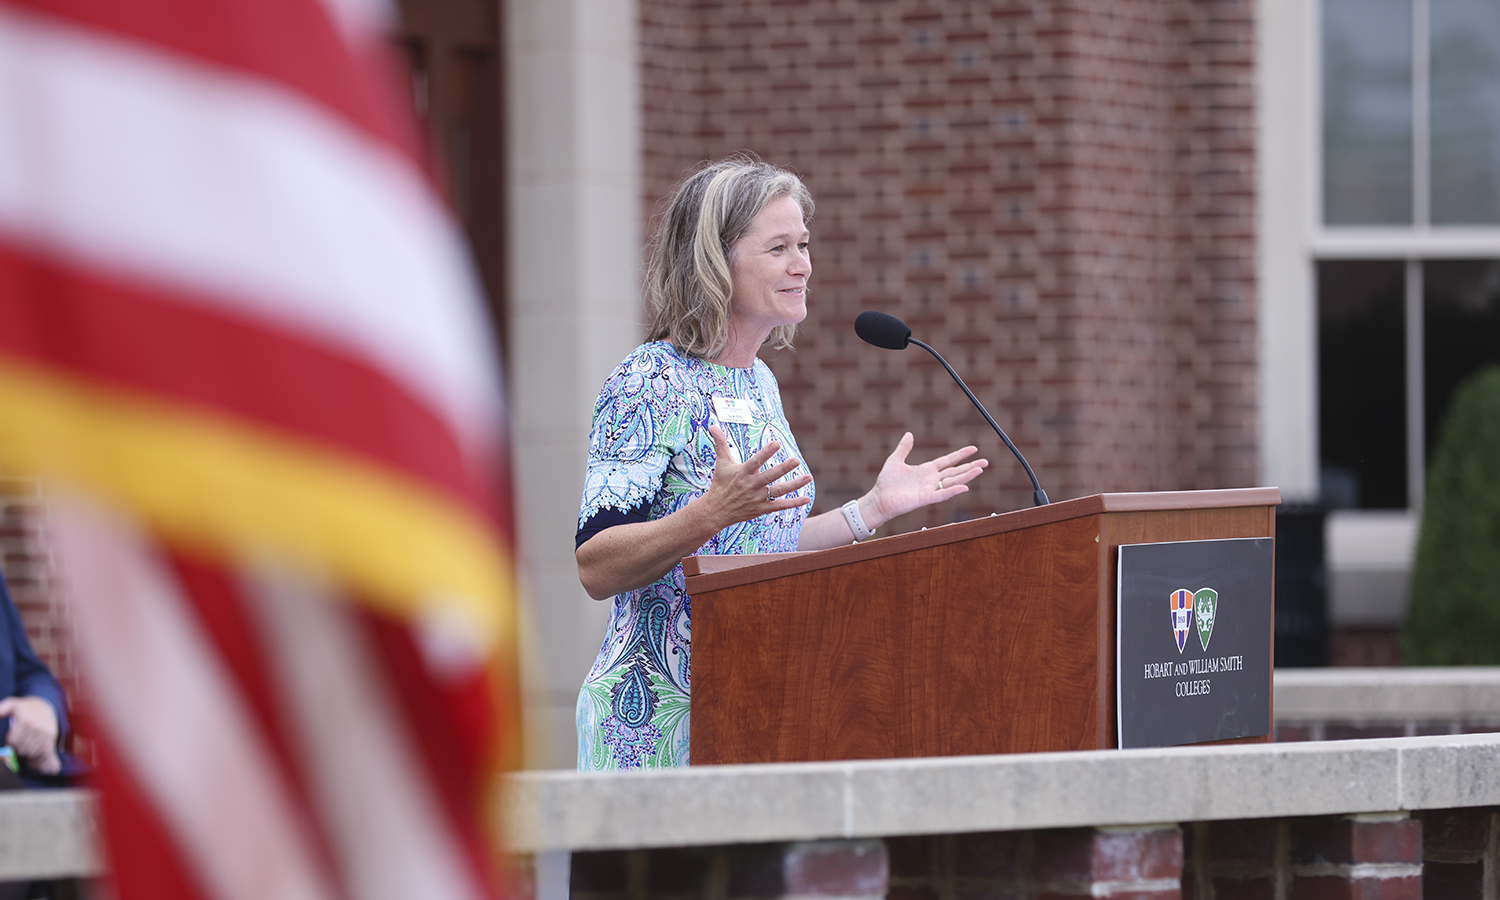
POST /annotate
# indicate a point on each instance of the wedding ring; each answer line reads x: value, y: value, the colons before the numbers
x: 769, y: 498
x: 940, y: 484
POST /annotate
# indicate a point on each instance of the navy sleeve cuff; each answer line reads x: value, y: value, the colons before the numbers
x: 609, y: 518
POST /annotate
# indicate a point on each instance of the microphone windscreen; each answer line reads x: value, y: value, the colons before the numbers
x: 882, y: 330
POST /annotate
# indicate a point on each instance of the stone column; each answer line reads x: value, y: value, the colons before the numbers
x: 1361, y: 856
x: 1244, y: 859
x: 1460, y: 860
x: 850, y: 870
x: 843, y: 869
x: 1141, y: 863
x: 573, y: 261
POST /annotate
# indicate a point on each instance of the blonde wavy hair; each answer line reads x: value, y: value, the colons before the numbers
x: 688, y: 277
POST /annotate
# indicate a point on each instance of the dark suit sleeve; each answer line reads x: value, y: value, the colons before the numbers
x: 33, y: 678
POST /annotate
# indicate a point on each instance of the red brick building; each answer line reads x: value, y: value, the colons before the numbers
x: 1148, y: 233
x: 1059, y: 197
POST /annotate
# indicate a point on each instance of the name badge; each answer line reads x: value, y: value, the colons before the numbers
x: 734, y: 411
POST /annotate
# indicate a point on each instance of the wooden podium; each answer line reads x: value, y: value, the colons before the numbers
x: 994, y: 635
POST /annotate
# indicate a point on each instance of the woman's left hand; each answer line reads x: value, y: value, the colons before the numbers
x: 901, y: 488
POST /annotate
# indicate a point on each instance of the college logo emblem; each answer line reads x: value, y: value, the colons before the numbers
x: 1205, y: 610
x: 1182, y: 616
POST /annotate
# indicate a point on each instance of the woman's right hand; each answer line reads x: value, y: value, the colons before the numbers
x: 742, y: 491
x: 630, y: 556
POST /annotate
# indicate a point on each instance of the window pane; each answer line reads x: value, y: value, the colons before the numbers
x: 1465, y: 111
x: 1367, y: 177
x: 1460, y: 330
x: 1362, y: 383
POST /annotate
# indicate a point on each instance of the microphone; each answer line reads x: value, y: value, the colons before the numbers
x: 885, y: 332
x: 890, y: 333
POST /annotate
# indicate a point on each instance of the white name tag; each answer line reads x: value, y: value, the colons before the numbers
x: 733, y: 411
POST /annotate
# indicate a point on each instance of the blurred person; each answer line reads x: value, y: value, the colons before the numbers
x: 35, y: 713
x: 34, y: 708
x: 691, y: 452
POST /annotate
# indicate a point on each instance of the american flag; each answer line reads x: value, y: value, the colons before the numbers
x: 238, y: 332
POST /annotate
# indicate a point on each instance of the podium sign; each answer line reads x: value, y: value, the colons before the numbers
x: 1194, y: 641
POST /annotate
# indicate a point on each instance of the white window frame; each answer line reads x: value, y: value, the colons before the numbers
x: 1291, y: 239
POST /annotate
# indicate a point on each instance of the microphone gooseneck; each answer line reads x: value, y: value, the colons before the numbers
x: 890, y: 333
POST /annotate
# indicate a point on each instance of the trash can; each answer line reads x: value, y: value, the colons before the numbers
x: 1301, y: 587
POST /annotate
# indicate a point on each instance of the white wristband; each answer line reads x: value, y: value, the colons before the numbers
x: 856, y: 521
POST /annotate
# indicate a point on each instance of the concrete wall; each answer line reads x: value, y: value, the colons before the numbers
x: 1316, y: 819
x: 1335, y: 704
x: 1311, y: 818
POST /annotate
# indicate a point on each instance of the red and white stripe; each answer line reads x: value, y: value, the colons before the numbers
x: 237, y: 194
x: 176, y: 719
x: 250, y: 817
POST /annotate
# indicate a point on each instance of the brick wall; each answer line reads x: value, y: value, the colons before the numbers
x: 848, y: 870
x: 1056, y: 195
x: 1139, y: 863
x: 1438, y: 854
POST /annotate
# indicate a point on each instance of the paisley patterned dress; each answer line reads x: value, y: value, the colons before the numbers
x: 650, y: 441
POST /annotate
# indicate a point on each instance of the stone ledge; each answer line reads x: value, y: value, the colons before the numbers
x: 48, y: 834
x: 1420, y: 693
x: 710, y: 805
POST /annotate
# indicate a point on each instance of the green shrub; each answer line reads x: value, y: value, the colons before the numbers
x: 1455, y: 587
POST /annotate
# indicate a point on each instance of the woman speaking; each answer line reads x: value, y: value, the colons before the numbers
x: 690, y: 451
